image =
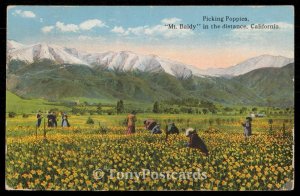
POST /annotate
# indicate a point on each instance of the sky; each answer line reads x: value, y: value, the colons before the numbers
x: 141, y: 29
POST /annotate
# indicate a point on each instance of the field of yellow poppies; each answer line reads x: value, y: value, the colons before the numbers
x: 67, y: 158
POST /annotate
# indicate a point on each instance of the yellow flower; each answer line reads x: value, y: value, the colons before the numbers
x: 248, y: 184
x: 270, y: 186
x: 20, y: 186
x: 39, y: 172
x: 121, y: 183
x: 48, y: 177
x: 36, y: 181
x: 160, y: 188
x: 256, y: 184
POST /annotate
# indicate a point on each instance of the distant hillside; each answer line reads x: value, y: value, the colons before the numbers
x: 275, y: 85
x: 49, y: 80
x: 248, y: 65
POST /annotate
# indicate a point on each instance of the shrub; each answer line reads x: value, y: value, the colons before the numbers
x: 90, y: 121
x: 12, y: 114
x: 102, y: 130
x: 110, y: 112
x: 25, y: 115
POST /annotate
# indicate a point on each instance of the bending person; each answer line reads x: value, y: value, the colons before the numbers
x: 196, y: 141
x: 152, y: 126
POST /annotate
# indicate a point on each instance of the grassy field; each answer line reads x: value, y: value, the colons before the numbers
x: 16, y: 104
x: 182, y: 120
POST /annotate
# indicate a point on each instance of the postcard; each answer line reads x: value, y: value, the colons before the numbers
x: 150, y: 98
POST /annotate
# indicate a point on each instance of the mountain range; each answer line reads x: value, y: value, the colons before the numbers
x: 54, y: 72
x: 129, y: 61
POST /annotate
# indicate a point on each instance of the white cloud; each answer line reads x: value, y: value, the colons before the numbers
x: 66, y: 28
x: 84, y: 26
x: 137, y: 30
x: 89, y: 24
x: 170, y: 20
x: 47, y: 29
x: 159, y: 30
x: 153, y: 31
x: 285, y: 26
x: 117, y: 29
x: 24, y: 14
x: 41, y: 20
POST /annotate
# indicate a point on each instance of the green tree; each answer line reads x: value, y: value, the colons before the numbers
x: 243, y: 110
x: 156, y: 107
x: 120, y: 107
x: 254, y: 109
x: 99, y: 108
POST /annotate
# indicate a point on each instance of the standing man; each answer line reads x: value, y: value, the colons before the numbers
x: 131, y: 119
x: 54, y: 119
x: 39, y: 119
x: 50, y: 119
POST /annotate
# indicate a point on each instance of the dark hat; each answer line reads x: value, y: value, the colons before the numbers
x: 249, y: 118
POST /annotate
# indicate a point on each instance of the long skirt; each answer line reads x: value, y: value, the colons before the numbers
x: 203, y: 147
x: 130, y: 130
x: 247, y: 132
x: 64, y: 123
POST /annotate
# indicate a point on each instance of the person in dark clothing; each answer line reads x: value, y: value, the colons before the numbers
x: 196, y: 141
x: 149, y: 124
x: 152, y: 126
x: 54, y: 119
x: 247, y: 127
x: 39, y: 119
x: 171, y: 129
x: 50, y: 119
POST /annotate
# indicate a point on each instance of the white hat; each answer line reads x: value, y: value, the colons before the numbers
x: 188, y: 131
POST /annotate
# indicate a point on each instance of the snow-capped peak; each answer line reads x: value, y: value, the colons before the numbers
x: 249, y: 65
x: 130, y: 61
x: 13, y: 45
x: 43, y: 51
